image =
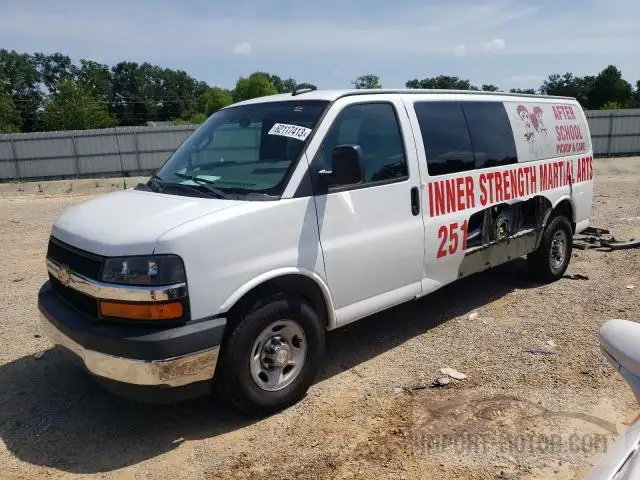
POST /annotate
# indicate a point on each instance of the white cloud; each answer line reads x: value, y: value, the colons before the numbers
x: 243, y: 48
x: 460, y: 50
x: 495, y: 45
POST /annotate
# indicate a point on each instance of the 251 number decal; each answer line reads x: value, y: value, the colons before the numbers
x: 450, y: 239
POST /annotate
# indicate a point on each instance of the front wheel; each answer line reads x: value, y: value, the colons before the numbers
x: 550, y: 260
x: 272, y: 356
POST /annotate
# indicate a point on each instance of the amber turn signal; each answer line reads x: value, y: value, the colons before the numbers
x: 141, y: 311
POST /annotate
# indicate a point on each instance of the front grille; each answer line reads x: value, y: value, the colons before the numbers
x: 84, y: 263
x: 77, y: 300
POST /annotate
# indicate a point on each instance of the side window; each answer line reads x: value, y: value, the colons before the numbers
x: 374, y: 127
x: 446, y: 137
x: 491, y: 134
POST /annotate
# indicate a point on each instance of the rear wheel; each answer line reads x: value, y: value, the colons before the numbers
x: 550, y: 260
x: 272, y: 356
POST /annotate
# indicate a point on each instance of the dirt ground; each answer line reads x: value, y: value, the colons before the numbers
x: 371, y: 414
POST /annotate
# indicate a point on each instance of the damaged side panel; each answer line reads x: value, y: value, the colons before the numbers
x: 503, y: 232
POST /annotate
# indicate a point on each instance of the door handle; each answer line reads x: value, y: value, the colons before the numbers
x: 415, y: 201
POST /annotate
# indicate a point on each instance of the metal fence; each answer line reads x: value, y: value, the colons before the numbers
x: 87, y: 153
x: 615, y: 132
x: 140, y: 150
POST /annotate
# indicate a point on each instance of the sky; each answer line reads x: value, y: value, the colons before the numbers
x: 509, y: 43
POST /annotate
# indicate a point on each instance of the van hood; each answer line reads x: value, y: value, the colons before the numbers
x: 130, y: 221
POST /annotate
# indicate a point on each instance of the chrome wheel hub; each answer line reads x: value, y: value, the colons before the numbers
x: 278, y: 355
x: 558, y: 249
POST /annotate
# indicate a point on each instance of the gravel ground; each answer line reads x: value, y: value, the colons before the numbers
x: 371, y: 414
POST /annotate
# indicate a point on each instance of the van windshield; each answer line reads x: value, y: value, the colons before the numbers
x: 245, y: 149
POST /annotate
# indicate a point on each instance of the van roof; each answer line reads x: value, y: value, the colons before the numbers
x: 332, y: 95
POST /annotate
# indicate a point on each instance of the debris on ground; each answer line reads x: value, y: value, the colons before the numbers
x: 453, y: 373
x: 16, y: 280
x: 441, y: 382
x: 473, y: 315
x: 577, y: 276
x: 551, y: 343
x: 631, y: 287
x: 397, y: 391
x: 594, y: 238
x: 541, y: 351
x: 38, y: 355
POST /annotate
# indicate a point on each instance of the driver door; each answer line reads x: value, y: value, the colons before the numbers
x: 371, y: 233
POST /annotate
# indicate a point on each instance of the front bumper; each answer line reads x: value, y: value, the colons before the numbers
x: 132, y: 354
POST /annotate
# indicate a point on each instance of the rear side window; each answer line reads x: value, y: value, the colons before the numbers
x: 491, y: 134
x: 445, y: 136
x: 462, y: 136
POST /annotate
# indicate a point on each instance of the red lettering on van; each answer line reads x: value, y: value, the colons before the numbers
x: 498, y: 181
x: 451, y: 195
x: 515, y: 179
x: 460, y: 193
x: 544, y: 176
x: 438, y: 198
x: 533, y: 183
x: 580, y: 171
x: 490, y: 177
x: 556, y: 113
x: 471, y: 198
x: 483, y: 189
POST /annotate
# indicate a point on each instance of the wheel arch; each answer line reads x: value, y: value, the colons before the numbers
x: 564, y: 206
x: 298, y: 281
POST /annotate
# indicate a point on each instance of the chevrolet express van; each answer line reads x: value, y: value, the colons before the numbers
x: 284, y: 217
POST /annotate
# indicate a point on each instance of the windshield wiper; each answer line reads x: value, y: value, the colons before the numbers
x: 155, y: 183
x: 205, y: 192
x: 204, y: 183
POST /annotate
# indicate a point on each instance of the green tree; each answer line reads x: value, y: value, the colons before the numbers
x: 95, y: 78
x: 490, y: 88
x: 127, y: 94
x: 444, y: 82
x: 368, y: 81
x: 287, y: 85
x: 192, y: 118
x: 176, y: 92
x: 53, y: 69
x: 568, y: 85
x: 21, y: 80
x: 611, y: 106
x: 9, y: 117
x: 609, y: 87
x: 255, y: 85
x: 212, y: 100
x: 72, y: 108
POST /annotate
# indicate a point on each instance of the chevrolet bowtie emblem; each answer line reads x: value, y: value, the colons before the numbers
x: 64, y: 275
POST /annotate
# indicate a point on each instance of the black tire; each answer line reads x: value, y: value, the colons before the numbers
x: 233, y: 374
x: 542, y: 266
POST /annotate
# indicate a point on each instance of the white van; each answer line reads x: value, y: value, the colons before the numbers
x: 283, y: 217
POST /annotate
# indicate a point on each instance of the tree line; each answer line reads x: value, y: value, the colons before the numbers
x: 43, y: 92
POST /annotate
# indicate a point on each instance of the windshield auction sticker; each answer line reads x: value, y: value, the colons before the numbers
x: 291, y: 131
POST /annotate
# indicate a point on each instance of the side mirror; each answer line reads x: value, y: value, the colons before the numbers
x: 346, y: 166
x: 620, y: 342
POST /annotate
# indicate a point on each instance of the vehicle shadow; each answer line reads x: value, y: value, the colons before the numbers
x: 56, y: 416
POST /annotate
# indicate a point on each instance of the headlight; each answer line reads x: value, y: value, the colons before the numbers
x: 147, y: 270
